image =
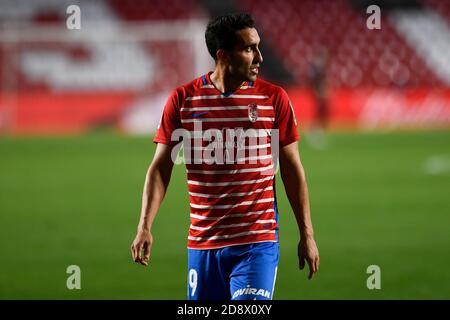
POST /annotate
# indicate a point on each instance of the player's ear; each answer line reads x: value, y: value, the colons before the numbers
x: 222, y: 55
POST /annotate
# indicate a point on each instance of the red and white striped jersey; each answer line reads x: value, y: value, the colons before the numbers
x: 228, y: 145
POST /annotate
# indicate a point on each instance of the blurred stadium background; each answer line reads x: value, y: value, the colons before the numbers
x: 78, y: 109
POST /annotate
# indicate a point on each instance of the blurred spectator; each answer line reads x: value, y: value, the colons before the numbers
x: 318, y: 84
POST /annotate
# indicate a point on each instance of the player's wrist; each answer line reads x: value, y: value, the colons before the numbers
x: 143, y: 228
x: 306, y: 234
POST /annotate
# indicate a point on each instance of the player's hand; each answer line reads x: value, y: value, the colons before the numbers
x: 307, y: 250
x: 141, y: 247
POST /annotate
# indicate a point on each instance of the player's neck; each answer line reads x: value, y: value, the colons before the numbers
x: 223, y: 81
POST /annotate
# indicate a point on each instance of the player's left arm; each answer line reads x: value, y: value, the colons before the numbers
x: 294, y: 180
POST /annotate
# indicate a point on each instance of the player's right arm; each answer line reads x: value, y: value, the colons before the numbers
x: 156, y: 183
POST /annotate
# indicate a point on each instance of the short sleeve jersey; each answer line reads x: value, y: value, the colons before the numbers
x: 230, y: 141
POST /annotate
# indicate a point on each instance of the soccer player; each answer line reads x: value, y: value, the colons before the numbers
x: 232, y: 125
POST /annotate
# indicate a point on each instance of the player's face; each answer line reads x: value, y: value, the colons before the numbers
x: 245, y: 59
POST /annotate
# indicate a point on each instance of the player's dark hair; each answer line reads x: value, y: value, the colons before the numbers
x: 221, y: 31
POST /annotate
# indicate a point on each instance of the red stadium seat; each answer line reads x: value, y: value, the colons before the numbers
x: 301, y: 28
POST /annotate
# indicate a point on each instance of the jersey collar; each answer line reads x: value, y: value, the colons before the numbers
x: 206, y: 80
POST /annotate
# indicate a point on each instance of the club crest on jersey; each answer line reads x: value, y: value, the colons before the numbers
x: 252, y: 112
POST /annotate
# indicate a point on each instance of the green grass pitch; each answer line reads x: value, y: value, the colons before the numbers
x: 377, y: 199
